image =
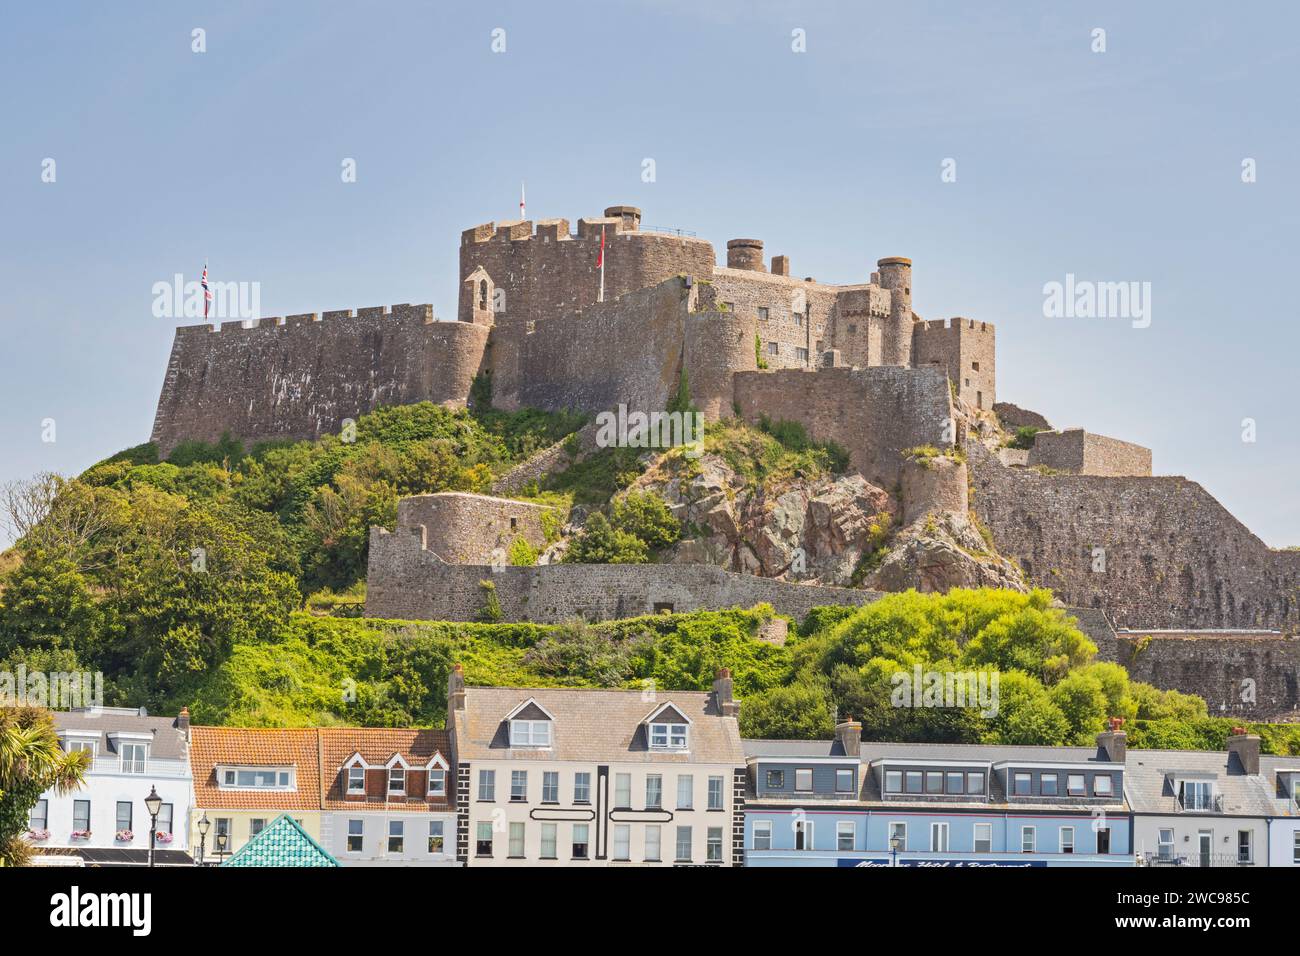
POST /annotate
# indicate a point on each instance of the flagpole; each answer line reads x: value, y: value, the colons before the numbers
x: 601, y: 297
x: 521, y: 200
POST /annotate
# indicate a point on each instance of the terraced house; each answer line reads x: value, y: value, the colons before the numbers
x: 561, y: 777
x: 849, y: 803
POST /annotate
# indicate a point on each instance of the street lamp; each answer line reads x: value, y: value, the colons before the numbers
x: 222, y: 837
x: 895, y: 844
x: 153, y: 803
x: 204, y: 825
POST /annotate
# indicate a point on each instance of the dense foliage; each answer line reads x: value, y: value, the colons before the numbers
x: 31, y: 762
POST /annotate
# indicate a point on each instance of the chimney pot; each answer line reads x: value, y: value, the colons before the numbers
x: 1114, y: 742
x: 1246, y: 746
x: 848, y: 733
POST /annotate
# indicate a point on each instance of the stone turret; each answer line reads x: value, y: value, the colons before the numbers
x: 630, y: 215
x: 745, y: 254
x: 896, y: 342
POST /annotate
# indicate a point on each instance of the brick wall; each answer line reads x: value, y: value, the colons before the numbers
x: 303, y: 377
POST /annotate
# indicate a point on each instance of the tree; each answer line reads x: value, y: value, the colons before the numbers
x: 602, y: 543
x: 799, y: 711
x: 31, y: 762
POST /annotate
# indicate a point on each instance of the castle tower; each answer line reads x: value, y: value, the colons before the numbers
x: 896, y: 341
x: 630, y: 216
x: 745, y: 254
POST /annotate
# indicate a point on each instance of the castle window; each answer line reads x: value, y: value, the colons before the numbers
x: 975, y: 366
x: 979, y: 399
x: 762, y: 313
x: 513, y: 522
x: 773, y: 348
x: 482, y: 294
x: 801, y: 355
x: 853, y: 329
x: 798, y: 319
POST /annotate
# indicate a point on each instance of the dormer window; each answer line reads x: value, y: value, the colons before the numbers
x: 667, y: 736
x: 1196, y: 794
x: 396, y: 781
x: 530, y: 733
x: 256, y: 778
x: 437, y: 782
x: 356, y: 779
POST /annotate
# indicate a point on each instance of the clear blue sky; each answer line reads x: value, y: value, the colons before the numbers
x: 1123, y: 165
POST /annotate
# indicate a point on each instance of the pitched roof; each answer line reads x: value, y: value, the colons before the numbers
x: 1147, y: 781
x: 168, y: 740
x: 283, y: 843
x: 592, y: 725
x: 255, y: 747
x: 377, y: 745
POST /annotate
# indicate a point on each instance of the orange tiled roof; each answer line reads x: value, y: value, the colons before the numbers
x: 255, y: 746
x: 377, y: 745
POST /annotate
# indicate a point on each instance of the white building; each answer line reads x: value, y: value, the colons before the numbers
x: 1200, y: 808
x: 567, y: 777
x: 106, y: 821
x: 1282, y: 778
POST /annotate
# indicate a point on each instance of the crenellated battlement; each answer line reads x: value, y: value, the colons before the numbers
x: 402, y: 310
x: 960, y: 323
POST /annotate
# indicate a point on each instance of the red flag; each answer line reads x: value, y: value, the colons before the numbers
x: 600, y: 258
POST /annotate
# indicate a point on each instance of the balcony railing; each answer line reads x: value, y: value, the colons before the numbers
x: 1211, y: 804
x: 1192, y: 859
x: 151, y: 768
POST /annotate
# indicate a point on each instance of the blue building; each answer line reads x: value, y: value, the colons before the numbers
x: 847, y: 803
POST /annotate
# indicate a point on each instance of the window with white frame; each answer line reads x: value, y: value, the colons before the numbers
x: 653, y: 843
x: 256, y: 778
x: 548, y: 846
x: 1028, y: 839
x: 622, y: 841
x: 1067, y: 839
x: 668, y: 736
x: 685, y: 791
x: 898, y: 834
x: 550, y: 786
x: 1165, y: 843
x: 983, y: 838
x: 845, y: 835
x: 75, y: 746
x: 938, y: 838
x: 1196, y: 794
x: 356, y: 835
x: 39, y: 817
x: 762, y: 834
x: 581, y: 838
x: 622, y: 791
x: 487, y: 786
x: 256, y: 826
x: 683, y: 845
x: 356, y: 779
x: 530, y: 733
x: 1295, y: 848
x: 483, y: 838
x: 133, y: 757
x: 396, y: 780
x: 518, y: 786
x: 713, y: 845
x: 437, y: 838
x: 165, y: 814
x: 803, y: 833
x: 436, y: 784
x: 396, y: 836
x: 515, y: 849
x: 716, y: 792
x: 582, y: 787
x: 803, y: 778
x: 654, y: 791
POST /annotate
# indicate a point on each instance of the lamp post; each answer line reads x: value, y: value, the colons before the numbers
x: 221, y: 845
x: 204, y: 825
x: 895, y: 844
x: 152, y: 803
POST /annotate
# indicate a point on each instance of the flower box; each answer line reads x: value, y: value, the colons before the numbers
x: 37, y: 835
x: 161, y: 837
x: 81, y: 834
x: 124, y: 836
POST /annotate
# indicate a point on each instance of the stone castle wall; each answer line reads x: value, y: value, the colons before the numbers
x: 464, y: 528
x: 1253, y: 676
x: 1082, y: 453
x: 874, y: 413
x: 1174, y: 556
x: 301, y: 377
x: 406, y: 581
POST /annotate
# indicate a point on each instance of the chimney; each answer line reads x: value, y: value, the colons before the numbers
x: 1113, y: 742
x: 183, y: 721
x: 848, y: 734
x: 1246, y: 747
x: 456, y: 689
x: 728, y: 706
x: 780, y: 265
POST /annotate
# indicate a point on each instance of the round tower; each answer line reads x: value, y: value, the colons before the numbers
x: 896, y: 341
x: 745, y: 254
x: 630, y: 215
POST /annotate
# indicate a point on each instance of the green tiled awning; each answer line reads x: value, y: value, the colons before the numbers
x: 283, y: 843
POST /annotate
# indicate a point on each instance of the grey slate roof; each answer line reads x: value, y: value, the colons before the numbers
x: 594, y: 725
x: 873, y: 750
x: 168, y: 740
x: 1149, y: 789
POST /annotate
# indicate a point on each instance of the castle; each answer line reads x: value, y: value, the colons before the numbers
x: 853, y: 363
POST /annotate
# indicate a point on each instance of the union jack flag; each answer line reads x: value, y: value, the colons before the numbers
x: 207, y: 293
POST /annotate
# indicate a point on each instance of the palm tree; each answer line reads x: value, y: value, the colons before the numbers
x: 31, y: 762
